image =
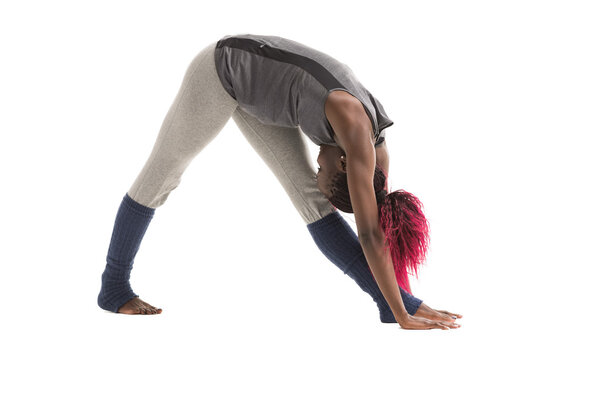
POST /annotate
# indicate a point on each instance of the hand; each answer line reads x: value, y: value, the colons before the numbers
x: 413, y: 322
x: 424, y: 311
x: 449, y: 314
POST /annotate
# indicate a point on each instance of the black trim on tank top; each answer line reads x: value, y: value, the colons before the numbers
x: 320, y: 73
x: 309, y: 65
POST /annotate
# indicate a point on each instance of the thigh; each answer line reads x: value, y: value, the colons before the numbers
x: 286, y: 153
x: 199, y: 112
x: 201, y: 108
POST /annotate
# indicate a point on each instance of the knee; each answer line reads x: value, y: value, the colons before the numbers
x: 313, y: 214
x: 151, y: 200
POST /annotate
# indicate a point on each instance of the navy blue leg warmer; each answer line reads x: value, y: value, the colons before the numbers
x: 130, y: 226
x: 339, y: 243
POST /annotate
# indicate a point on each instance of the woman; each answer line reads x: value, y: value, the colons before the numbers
x: 277, y: 90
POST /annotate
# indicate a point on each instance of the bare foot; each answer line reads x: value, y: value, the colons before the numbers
x: 436, y: 315
x: 138, y: 306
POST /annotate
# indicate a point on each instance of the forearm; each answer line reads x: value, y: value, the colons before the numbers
x: 380, y: 263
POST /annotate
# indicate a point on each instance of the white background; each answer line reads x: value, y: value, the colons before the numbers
x: 495, y: 107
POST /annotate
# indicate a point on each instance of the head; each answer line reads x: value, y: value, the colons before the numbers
x: 332, y: 180
x: 400, y: 213
x: 332, y: 167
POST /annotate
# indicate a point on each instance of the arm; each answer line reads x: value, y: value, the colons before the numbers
x: 360, y: 167
x: 382, y: 157
x: 353, y: 131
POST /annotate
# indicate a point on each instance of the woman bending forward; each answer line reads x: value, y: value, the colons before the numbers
x: 278, y: 91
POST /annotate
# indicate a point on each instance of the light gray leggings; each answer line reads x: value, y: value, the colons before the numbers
x: 200, y: 111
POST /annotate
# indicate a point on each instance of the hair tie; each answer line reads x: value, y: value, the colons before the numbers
x: 380, y: 196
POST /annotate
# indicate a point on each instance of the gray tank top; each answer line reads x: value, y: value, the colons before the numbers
x: 283, y: 82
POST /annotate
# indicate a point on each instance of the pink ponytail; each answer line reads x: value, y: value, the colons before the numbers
x: 401, y: 218
x: 407, y: 233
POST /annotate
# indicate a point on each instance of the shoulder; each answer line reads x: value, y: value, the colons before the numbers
x: 347, y: 117
x: 340, y: 100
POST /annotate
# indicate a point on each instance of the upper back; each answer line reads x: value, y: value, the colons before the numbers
x: 283, y: 82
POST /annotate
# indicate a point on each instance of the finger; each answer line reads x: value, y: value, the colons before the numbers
x: 451, y: 325
x: 436, y: 325
x: 447, y: 317
x: 420, y: 323
x: 451, y: 314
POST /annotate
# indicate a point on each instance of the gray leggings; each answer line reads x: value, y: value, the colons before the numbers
x: 200, y: 111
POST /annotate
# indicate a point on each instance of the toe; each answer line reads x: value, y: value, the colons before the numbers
x: 152, y: 309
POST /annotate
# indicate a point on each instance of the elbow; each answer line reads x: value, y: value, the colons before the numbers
x: 371, y: 239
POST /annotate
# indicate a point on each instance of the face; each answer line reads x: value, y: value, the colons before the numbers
x: 331, y: 160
